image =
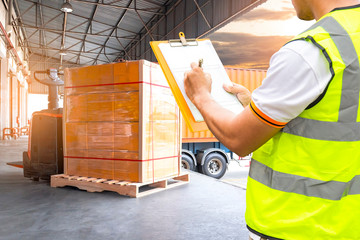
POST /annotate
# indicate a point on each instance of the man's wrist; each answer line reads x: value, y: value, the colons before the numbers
x: 202, y: 100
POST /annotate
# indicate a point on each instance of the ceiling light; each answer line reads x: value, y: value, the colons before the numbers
x: 66, y: 7
x: 61, y: 69
x: 62, y: 52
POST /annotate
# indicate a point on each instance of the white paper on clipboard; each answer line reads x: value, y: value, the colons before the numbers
x: 179, y: 59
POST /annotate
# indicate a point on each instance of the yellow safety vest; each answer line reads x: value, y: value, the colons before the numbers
x: 304, y: 183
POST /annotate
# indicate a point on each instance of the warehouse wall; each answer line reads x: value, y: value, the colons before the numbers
x: 13, y: 84
x: 185, y: 17
x: 4, y: 97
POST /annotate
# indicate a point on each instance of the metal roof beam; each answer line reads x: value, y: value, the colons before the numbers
x: 115, y: 27
x: 56, y: 53
x: 87, y: 30
x: 46, y: 59
x: 42, y: 32
x: 58, y: 31
x: 76, y: 38
x: 19, y: 16
x: 49, y: 60
x: 147, y: 10
x: 77, y: 15
x: 154, y: 2
x: 37, y: 28
x: 202, y: 14
x: 106, y: 56
x: 155, y: 25
x: 92, y: 51
x: 126, y: 54
x: 56, y: 38
x: 115, y: 1
x: 62, y: 46
x: 20, y: 21
x: 95, y: 43
x: 134, y: 42
x: 142, y: 21
x: 187, y: 18
x: 76, y: 51
x: 244, y: 10
x: 67, y: 64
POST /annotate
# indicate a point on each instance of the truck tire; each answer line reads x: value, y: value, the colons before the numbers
x: 187, y: 162
x: 214, y: 165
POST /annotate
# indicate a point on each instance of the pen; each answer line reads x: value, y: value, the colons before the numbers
x: 201, y: 62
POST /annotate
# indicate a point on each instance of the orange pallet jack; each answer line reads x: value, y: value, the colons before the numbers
x: 45, y: 150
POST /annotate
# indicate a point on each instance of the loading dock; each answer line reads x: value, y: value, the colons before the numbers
x: 204, y: 209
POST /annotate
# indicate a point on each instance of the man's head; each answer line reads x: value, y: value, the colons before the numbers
x: 315, y: 9
x: 304, y: 9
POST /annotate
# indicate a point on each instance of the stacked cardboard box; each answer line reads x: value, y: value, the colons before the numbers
x: 121, y: 122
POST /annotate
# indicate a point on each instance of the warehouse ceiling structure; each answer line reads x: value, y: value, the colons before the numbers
x: 70, y: 33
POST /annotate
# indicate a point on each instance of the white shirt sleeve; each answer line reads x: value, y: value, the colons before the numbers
x: 298, y: 74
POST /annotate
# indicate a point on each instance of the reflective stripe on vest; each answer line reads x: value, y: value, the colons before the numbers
x: 332, y: 190
x: 330, y: 131
x: 314, y: 129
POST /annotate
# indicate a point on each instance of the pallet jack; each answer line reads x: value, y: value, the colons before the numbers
x: 45, y: 149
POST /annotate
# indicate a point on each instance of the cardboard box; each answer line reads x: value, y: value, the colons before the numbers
x: 121, y: 122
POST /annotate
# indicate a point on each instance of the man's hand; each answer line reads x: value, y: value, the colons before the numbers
x: 242, y: 133
x: 197, y: 84
x: 241, y: 92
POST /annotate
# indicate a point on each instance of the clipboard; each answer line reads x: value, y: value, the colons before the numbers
x: 175, y: 56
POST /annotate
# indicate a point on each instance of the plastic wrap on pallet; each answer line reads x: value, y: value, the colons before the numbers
x: 121, y: 122
x: 249, y: 78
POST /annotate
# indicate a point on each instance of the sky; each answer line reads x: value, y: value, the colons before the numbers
x: 250, y: 40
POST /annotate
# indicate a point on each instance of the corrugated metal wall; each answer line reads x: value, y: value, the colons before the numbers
x: 249, y: 78
x: 184, y: 16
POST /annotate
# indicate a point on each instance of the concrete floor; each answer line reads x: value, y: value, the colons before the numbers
x: 237, y: 174
x: 203, y: 209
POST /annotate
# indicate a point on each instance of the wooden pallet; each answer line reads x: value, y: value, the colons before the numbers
x: 123, y: 188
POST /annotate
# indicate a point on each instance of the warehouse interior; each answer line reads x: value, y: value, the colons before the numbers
x: 64, y: 35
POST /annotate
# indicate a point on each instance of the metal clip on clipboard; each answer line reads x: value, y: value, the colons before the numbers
x: 183, y: 42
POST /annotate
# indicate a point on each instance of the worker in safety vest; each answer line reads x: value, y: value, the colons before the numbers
x: 303, y: 124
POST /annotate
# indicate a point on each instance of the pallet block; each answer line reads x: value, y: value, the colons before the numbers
x: 122, y: 187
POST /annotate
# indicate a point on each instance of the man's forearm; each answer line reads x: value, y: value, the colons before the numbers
x: 219, y: 120
x: 242, y: 133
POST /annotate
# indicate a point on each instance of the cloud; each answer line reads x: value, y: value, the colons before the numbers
x: 266, y: 15
x: 246, y: 50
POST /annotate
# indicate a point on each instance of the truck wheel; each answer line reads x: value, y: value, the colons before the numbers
x: 214, y: 165
x: 187, y: 162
